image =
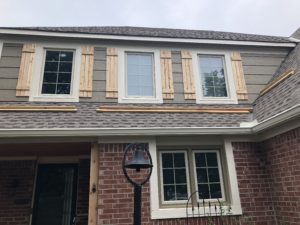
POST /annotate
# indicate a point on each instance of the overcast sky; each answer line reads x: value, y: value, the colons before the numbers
x: 273, y: 17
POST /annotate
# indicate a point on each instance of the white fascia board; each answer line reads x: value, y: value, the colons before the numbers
x: 148, y: 39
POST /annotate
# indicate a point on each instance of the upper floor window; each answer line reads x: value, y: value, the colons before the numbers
x: 139, y: 76
x: 56, y: 73
x: 214, y: 78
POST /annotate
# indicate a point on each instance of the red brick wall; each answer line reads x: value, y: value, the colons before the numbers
x: 283, y: 166
x: 16, y: 186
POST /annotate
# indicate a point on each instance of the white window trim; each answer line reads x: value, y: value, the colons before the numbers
x: 1, y: 47
x: 230, y: 85
x: 187, y: 177
x: 122, y: 79
x: 157, y: 212
x: 38, y: 72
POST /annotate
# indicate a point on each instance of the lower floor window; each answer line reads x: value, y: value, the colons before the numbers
x: 188, y: 171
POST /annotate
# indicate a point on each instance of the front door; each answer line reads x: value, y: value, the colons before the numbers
x: 55, y: 195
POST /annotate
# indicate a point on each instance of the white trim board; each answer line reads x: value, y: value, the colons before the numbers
x: 1, y: 47
x: 149, y: 39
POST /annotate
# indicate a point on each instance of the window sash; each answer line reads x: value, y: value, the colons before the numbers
x: 57, y: 83
x: 201, y: 78
x: 162, y: 182
x: 127, y: 84
x: 219, y: 170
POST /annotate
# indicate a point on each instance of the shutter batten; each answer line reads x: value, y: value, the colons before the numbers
x: 86, y: 72
x: 112, y: 73
x: 167, y: 75
x: 188, y: 75
x: 26, y: 70
x: 239, y: 78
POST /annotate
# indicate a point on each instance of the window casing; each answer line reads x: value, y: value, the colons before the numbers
x: 56, y: 73
x: 214, y: 78
x: 193, y: 170
x: 1, y: 47
x: 139, y: 76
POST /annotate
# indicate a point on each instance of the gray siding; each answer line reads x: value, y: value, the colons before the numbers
x: 99, y: 78
x: 9, y: 71
x: 259, y: 68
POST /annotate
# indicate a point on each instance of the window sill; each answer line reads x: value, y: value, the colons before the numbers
x: 172, y: 213
x: 140, y: 100
x: 53, y: 99
x: 216, y: 101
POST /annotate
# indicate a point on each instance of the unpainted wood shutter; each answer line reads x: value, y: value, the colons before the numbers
x: 166, y: 74
x: 188, y: 75
x: 239, y: 78
x: 112, y: 73
x: 26, y: 70
x: 86, y: 72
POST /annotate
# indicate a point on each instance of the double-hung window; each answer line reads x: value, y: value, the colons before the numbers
x: 214, y: 78
x: 56, y: 73
x: 139, y: 76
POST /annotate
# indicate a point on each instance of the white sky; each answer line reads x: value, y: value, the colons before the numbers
x: 273, y: 17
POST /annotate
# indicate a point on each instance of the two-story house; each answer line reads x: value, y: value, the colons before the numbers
x: 218, y: 111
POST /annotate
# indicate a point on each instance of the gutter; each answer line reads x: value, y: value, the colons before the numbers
x: 285, y: 116
x: 137, y: 38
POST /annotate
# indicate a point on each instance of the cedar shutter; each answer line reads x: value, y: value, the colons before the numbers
x: 112, y: 73
x: 86, y: 71
x: 188, y: 75
x: 166, y: 73
x: 26, y: 70
x: 238, y: 74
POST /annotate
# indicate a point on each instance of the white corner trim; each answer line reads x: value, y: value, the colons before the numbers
x: 167, y: 213
x: 136, y: 38
x: 1, y: 47
x: 294, y: 39
x: 122, y: 76
x: 230, y: 85
x: 249, y: 124
x: 37, y: 78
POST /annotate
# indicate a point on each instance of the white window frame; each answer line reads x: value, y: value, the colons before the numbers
x: 159, y: 212
x: 220, y: 168
x: 161, y: 177
x: 229, y: 79
x: 1, y: 47
x: 157, y: 98
x: 38, y: 74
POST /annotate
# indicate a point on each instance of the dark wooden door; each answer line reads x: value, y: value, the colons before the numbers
x: 55, y: 195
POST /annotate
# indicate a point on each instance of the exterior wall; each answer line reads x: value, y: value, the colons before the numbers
x: 259, y: 65
x: 283, y: 168
x: 16, y: 188
x: 9, y: 71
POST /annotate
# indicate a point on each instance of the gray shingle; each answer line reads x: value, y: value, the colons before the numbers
x: 161, y: 32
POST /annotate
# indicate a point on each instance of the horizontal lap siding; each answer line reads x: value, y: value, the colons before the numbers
x: 99, y: 78
x: 9, y: 71
x: 259, y: 68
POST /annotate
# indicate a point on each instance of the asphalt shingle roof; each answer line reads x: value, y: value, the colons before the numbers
x: 160, y: 32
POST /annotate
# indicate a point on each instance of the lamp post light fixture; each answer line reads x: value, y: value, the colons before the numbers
x: 141, y: 160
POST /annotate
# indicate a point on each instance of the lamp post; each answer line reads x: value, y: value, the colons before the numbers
x: 137, y: 162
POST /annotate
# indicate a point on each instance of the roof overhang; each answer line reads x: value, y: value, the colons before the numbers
x: 139, y: 38
x: 288, y: 115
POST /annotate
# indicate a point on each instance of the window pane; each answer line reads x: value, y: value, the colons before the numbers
x: 213, y: 174
x: 167, y: 160
x: 181, y: 192
x: 57, y: 72
x: 203, y: 191
x: 50, y: 77
x: 180, y: 176
x: 179, y: 160
x: 211, y: 159
x: 202, y: 176
x: 63, y: 89
x: 168, y: 176
x: 169, y: 193
x: 215, y: 190
x: 200, y: 159
x: 140, y: 74
x: 49, y: 89
x: 212, y: 75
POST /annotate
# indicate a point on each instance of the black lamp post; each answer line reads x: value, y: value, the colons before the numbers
x: 138, y: 162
